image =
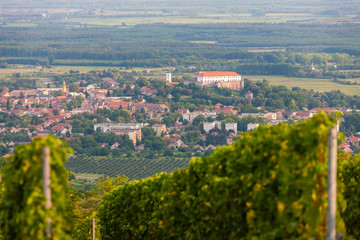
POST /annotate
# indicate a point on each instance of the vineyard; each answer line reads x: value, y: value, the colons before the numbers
x: 268, y: 185
x: 133, y: 168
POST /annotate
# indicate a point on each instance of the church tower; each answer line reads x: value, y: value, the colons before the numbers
x: 64, y: 90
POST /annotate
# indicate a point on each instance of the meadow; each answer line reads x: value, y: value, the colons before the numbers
x: 316, y: 84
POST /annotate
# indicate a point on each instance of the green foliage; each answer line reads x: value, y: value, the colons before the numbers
x: 116, y: 115
x: 351, y: 123
x: 85, y: 206
x: 74, y: 103
x: 269, y: 185
x: 349, y: 184
x: 22, y: 203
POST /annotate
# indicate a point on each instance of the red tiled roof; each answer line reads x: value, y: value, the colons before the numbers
x: 322, y: 109
x: 216, y: 74
x: 118, y: 104
x: 61, y: 126
x: 171, y: 83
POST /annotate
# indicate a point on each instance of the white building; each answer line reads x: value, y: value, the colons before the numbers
x: 211, y: 125
x: 216, y: 76
x: 133, y: 130
x: 231, y: 126
x: 252, y: 126
x: 168, y: 77
x: 190, y: 116
x: 222, y: 79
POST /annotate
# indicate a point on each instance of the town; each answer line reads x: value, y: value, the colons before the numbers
x: 132, y: 111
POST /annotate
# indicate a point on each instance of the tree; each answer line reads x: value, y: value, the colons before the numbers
x: 74, y: 87
x: 35, y: 120
x: 8, y: 104
x: 56, y: 112
x: 199, y: 121
x: 85, y: 205
x: 342, y: 58
x: 141, y: 82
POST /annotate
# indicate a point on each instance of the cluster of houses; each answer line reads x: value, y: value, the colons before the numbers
x: 42, y: 102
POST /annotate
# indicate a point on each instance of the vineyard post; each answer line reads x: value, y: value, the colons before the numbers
x: 46, y: 184
x: 331, y: 213
x: 93, y: 229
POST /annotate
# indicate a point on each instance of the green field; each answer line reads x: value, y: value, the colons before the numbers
x: 317, y: 84
x: 27, y: 70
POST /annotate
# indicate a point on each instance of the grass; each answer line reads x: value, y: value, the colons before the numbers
x: 88, y: 176
x: 27, y: 70
x: 19, y: 24
x: 317, y: 84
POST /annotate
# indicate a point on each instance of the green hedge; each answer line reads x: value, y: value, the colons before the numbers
x: 269, y: 185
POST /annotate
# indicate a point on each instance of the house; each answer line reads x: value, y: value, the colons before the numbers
x: 32, y: 93
x: 225, y: 110
x: 117, y: 105
x: 159, y: 129
x: 140, y: 147
x: 115, y: 145
x: 14, y: 130
x: 303, y: 115
x: 198, y: 148
x: 83, y: 110
x: 210, y: 147
x: 62, y: 128
x: 148, y: 91
x: 179, y: 143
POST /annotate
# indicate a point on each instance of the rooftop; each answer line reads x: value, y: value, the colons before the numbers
x: 216, y: 74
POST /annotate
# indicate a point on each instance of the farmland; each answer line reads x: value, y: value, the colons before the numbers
x: 316, y: 84
x: 133, y: 168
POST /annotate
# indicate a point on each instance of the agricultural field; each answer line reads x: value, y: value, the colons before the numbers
x: 198, y: 19
x: 316, y: 84
x: 133, y: 168
x: 30, y: 71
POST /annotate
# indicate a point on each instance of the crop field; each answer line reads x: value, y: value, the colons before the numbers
x: 27, y: 70
x: 202, y: 19
x: 86, y: 177
x: 133, y: 168
x: 316, y: 84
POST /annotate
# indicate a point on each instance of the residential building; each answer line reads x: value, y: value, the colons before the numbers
x: 133, y: 130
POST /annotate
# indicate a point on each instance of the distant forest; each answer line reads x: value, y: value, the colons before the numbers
x: 83, y: 32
